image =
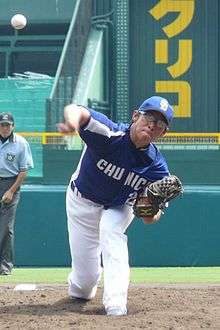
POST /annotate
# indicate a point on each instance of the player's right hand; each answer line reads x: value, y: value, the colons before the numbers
x: 71, y: 119
x: 74, y: 117
x: 64, y: 128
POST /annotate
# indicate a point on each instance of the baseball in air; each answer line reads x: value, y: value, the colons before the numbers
x: 18, y: 21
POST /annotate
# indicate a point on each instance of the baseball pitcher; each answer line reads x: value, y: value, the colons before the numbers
x: 121, y: 174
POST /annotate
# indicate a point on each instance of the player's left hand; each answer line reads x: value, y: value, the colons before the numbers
x: 156, y: 195
x: 152, y: 219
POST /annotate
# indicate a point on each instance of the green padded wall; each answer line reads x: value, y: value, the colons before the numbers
x: 41, y: 232
x: 195, y: 166
x: 59, y: 165
x: 187, y: 235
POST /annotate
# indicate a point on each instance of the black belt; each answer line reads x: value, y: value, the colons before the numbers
x: 8, y: 178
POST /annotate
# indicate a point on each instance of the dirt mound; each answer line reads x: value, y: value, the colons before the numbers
x: 151, y: 307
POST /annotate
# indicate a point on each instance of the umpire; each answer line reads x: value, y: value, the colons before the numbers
x: 15, y: 160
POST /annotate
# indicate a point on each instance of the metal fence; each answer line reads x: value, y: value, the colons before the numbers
x: 70, y: 62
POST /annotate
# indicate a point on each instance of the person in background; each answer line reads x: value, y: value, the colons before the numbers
x: 15, y: 161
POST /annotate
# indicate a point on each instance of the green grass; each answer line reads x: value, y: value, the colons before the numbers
x: 161, y: 275
x: 176, y: 275
x: 37, y: 275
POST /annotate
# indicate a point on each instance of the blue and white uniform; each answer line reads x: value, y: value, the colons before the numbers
x: 113, y: 164
x: 102, y: 190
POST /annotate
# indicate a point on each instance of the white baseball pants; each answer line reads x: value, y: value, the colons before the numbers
x: 92, y: 231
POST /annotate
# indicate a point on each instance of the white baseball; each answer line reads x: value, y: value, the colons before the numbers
x: 18, y: 21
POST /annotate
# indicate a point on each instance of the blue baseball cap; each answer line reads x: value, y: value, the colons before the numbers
x: 160, y: 104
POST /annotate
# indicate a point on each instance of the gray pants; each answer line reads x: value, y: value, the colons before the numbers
x: 7, y: 220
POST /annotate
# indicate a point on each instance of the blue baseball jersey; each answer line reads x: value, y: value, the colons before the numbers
x: 112, y: 170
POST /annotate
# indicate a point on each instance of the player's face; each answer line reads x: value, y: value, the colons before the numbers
x: 6, y: 129
x: 147, y: 128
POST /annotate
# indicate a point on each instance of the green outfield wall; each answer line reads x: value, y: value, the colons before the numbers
x: 187, y: 235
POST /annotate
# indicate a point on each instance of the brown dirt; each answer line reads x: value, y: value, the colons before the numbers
x: 149, y: 307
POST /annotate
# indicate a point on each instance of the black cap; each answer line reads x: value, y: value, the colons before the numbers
x: 6, y: 117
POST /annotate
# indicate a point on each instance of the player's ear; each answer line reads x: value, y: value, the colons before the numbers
x: 164, y: 131
x: 135, y: 116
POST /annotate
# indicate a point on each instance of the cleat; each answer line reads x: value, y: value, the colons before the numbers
x: 116, y: 311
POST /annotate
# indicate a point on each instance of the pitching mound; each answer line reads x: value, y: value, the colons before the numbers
x: 151, y: 307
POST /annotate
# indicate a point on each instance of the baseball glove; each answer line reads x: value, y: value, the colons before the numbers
x: 156, y: 195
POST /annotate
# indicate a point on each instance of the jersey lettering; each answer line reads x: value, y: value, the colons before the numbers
x: 131, y: 198
x: 129, y: 178
x: 118, y: 173
x: 133, y: 180
x: 101, y: 164
x: 140, y: 183
x: 111, y: 170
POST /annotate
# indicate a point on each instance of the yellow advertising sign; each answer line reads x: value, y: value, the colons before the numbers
x: 183, y: 63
